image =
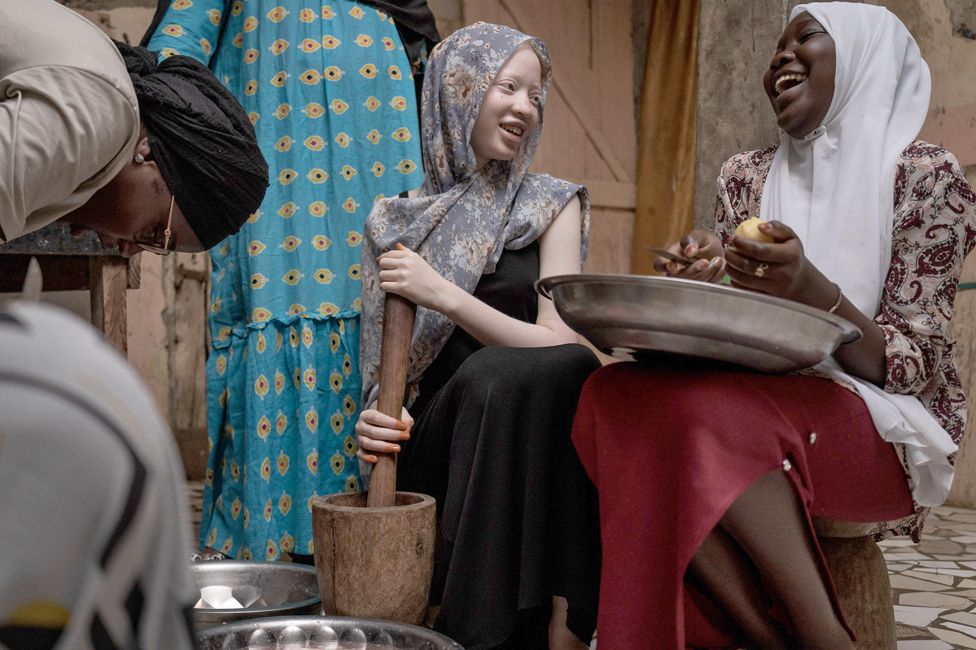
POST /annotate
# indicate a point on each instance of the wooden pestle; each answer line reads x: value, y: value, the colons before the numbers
x: 398, y: 315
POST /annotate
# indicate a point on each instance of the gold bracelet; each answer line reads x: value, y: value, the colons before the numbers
x: 840, y: 299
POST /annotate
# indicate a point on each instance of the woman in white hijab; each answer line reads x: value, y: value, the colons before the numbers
x: 864, y: 221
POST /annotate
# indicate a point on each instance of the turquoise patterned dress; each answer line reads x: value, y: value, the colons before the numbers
x: 329, y: 90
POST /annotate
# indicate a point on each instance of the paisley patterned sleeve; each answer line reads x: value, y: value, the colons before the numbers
x: 934, y: 230
x: 190, y: 28
x: 739, y: 189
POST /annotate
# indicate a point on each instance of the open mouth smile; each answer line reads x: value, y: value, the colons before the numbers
x: 787, y: 81
x: 511, y: 128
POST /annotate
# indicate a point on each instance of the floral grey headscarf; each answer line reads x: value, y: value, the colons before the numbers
x: 464, y: 218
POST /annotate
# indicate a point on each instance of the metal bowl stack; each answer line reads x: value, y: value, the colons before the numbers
x: 630, y: 316
x: 322, y: 633
x: 232, y: 590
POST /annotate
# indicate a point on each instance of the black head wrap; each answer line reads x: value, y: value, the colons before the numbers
x: 202, y: 141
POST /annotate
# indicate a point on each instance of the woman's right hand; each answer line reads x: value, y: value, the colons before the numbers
x: 703, y: 246
x: 376, y: 432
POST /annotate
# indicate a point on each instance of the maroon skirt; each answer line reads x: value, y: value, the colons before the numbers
x: 669, y: 451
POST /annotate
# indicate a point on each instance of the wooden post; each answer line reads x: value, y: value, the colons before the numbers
x: 398, y: 315
x: 109, y: 279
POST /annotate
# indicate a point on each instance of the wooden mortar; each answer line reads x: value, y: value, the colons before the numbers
x: 374, y: 552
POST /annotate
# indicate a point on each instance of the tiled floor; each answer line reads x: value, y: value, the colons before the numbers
x: 933, y: 583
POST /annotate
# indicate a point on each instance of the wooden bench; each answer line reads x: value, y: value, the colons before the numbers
x: 860, y: 577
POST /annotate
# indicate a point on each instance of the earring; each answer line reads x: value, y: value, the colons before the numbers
x: 139, y: 158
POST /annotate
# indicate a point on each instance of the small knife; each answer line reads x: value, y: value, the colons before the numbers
x: 668, y: 255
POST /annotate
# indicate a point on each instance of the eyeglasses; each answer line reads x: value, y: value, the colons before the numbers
x: 153, y: 246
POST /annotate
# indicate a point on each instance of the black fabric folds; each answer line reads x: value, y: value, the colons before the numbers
x: 518, y: 519
x: 202, y: 141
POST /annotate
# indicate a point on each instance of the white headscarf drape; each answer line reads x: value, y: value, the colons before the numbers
x: 835, y: 189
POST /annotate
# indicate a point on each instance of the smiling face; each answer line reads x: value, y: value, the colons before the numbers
x: 800, y: 78
x: 510, y: 109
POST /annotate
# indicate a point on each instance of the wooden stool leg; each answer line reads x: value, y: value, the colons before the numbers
x: 109, y: 280
x: 861, y: 579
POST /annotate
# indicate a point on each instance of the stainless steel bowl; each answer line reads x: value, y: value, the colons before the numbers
x: 631, y: 315
x: 261, y: 588
x: 322, y: 633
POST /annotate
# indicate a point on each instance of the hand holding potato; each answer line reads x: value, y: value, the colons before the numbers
x: 777, y: 267
x: 701, y: 245
x: 750, y: 230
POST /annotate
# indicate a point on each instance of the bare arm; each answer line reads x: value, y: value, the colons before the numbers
x: 405, y: 273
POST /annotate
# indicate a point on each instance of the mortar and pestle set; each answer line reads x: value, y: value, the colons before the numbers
x: 374, y: 552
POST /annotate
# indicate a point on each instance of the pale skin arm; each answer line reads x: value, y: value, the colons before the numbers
x: 405, y: 273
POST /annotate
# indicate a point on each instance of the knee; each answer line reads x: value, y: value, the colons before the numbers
x: 631, y: 390
x: 607, y: 381
x: 527, y: 368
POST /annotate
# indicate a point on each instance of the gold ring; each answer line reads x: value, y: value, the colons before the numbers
x: 761, y: 269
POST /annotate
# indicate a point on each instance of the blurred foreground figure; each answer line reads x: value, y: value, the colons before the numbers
x: 95, y: 532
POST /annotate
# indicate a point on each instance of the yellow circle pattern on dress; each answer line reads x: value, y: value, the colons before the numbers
x: 314, y: 110
x: 277, y: 14
x: 282, y: 111
x: 343, y: 118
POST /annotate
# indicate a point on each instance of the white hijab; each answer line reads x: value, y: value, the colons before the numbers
x: 835, y: 189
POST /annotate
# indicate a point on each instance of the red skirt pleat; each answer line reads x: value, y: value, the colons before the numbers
x: 670, y: 450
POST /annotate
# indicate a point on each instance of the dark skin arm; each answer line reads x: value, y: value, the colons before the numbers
x: 792, y: 276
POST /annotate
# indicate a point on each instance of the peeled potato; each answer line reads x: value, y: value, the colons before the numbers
x: 749, y: 229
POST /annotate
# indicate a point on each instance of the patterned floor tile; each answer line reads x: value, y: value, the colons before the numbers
x: 934, y: 582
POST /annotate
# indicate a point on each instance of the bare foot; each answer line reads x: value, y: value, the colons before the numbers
x: 560, y: 637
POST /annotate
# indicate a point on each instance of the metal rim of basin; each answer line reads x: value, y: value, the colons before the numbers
x: 257, y: 612
x: 344, y: 623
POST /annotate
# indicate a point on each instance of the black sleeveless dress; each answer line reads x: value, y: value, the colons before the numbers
x: 517, y: 514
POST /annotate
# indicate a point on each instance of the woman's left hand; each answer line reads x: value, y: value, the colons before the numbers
x: 779, y: 268
x: 407, y: 274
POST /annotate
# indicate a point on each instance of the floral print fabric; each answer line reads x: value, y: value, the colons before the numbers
x: 934, y: 230
x: 327, y: 86
x: 464, y: 217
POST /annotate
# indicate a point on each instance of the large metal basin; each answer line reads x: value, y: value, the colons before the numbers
x: 322, y: 633
x: 628, y: 316
x: 262, y: 588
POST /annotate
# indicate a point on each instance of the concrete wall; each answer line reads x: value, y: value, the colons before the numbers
x: 736, y: 40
